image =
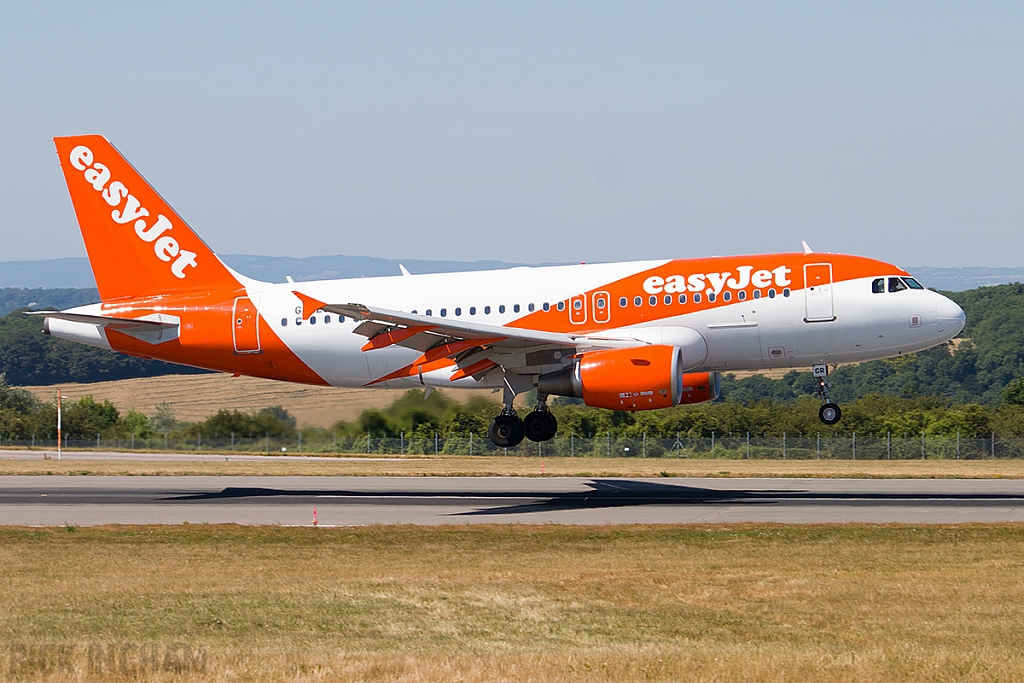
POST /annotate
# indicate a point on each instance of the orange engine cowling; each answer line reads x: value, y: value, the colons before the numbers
x: 638, y: 378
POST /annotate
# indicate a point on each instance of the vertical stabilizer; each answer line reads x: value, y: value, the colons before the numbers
x: 138, y: 245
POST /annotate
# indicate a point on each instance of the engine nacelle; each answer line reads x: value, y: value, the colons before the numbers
x: 638, y: 378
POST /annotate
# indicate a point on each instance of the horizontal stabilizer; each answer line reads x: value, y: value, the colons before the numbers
x: 110, y: 321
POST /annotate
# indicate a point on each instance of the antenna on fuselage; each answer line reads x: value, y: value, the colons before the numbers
x: 807, y: 249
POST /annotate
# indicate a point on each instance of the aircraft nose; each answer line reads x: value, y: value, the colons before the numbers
x: 950, y: 317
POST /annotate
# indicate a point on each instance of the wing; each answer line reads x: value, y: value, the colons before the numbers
x: 475, y: 348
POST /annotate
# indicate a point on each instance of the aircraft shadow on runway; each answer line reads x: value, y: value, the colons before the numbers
x: 609, y: 493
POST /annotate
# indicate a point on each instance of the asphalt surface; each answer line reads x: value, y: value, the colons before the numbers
x: 132, y: 456
x: 88, y: 500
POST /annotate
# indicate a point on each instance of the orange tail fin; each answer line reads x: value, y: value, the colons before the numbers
x: 137, y: 244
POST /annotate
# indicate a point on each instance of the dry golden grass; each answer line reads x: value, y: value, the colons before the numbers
x: 514, y: 466
x: 196, y: 397
x: 741, y: 603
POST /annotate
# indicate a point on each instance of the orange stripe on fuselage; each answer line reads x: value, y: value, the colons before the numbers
x: 205, y: 338
x: 723, y: 270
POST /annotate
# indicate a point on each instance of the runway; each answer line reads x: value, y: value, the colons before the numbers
x: 341, y: 501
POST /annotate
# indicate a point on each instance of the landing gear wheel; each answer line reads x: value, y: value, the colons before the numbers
x: 506, y: 431
x: 830, y: 413
x: 540, y: 425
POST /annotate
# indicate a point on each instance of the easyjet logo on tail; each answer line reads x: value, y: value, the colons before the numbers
x: 127, y: 208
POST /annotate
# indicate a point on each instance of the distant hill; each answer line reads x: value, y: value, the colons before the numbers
x: 75, y: 272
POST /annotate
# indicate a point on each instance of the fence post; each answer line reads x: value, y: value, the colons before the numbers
x: 958, y: 445
x: 199, y: 440
x: 572, y: 443
x: 268, y: 442
x: 818, y: 451
x: 232, y: 441
x: 712, y: 444
x: 609, y: 440
x: 645, y: 444
x: 471, y: 443
x: 435, y: 443
x: 922, y: 445
x: 133, y: 440
x: 855, y: 445
x: 748, y: 445
x: 97, y: 441
x: 783, y: 445
x: 993, y: 445
x: 334, y: 436
x: 165, y: 441
x: 401, y: 443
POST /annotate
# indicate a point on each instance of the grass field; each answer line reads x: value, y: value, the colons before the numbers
x: 197, y: 397
x: 492, y: 466
x: 741, y: 603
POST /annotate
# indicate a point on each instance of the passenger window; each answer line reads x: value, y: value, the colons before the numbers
x: 487, y: 310
x: 546, y: 307
x: 896, y: 285
x: 682, y: 298
x: 458, y: 311
x: 696, y: 298
x: 560, y: 305
x: 622, y: 302
x: 444, y: 312
x: 653, y: 301
x: 711, y: 297
x: 501, y: 308
x: 600, y: 303
x: 668, y: 299
x: 429, y: 312
x: 312, y: 320
x: 785, y: 292
x: 529, y: 307
x: 284, y: 322
x: 771, y: 293
x: 577, y: 305
x: 298, y: 321
x: 515, y: 308
x: 638, y: 301
x: 472, y: 310
x: 757, y: 293
x: 742, y: 295
x: 912, y: 283
x: 878, y: 286
x: 726, y: 296
x: 327, y: 319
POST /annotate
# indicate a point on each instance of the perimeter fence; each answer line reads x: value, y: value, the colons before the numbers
x: 855, y: 447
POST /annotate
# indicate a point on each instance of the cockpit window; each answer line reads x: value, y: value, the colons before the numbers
x: 896, y: 285
x: 912, y: 283
x: 878, y: 286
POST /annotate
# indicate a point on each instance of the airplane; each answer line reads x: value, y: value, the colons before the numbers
x: 627, y: 336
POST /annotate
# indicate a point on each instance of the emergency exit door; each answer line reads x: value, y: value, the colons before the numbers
x: 245, y: 326
x: 818, y: 292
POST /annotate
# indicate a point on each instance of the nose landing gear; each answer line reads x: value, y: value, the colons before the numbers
x: 829, y: 413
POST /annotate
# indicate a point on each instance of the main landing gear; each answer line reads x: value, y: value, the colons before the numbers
x: 829, y: 413
x: 508, y: 431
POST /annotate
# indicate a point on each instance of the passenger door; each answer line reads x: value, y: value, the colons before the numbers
x: 818, y: 293
x: 245, y: 326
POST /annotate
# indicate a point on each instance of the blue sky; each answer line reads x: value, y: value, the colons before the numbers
x: 531, y: 132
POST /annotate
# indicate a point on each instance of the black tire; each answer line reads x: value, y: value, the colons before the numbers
x: 830, y: 413
x: 540, y: 426
x: 506, y: 431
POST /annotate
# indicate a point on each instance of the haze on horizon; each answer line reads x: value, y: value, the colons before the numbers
x: 531, y: 132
